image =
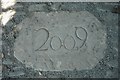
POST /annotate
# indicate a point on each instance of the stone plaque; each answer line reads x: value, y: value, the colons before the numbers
x: 58, y: 41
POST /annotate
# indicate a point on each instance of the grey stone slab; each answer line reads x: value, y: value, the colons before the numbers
x: 62, y: 40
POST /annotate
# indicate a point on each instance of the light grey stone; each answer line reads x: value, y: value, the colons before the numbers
x: 58, y: 41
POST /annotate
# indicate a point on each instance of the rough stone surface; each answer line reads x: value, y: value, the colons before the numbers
x: 61, y: 41
x: 103, y: 69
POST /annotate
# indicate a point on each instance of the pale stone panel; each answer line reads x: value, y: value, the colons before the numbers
x: 58, y: 41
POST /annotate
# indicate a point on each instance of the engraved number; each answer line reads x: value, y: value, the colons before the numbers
x: 81, y: 36
x: 46, y: 39
x: 69, y: 42
x: 55, y: 43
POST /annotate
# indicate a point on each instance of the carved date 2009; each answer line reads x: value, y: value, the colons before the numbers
x: 63, y: 43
